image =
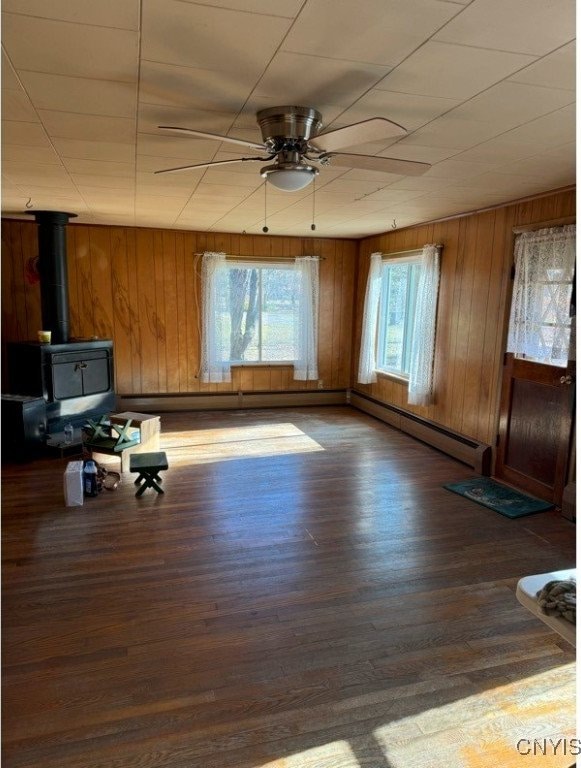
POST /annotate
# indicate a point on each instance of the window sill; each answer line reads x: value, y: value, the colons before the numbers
x: 393, y: 376
x: 249, y: 364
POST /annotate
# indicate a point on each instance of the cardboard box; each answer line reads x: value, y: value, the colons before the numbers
x: 73, y: 484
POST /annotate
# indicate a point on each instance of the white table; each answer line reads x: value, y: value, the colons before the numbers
x: 526, y: 592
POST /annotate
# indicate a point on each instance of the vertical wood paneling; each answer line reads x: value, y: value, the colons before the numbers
x: 147, y: 311
x: 121, y: 310
x: 142, y: 288
x: 472, y: 310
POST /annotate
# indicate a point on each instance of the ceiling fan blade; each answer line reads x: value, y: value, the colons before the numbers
x: 374, y: 129
x: 214, y: 136
x: 374, y: 163
x: 215, y: 162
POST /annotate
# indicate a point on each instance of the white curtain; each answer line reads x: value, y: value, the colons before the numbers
x: 214, y: 332
x: 421, y: 382
x: 367, y: 355
x: 540, y: 324
x: 307, y: 319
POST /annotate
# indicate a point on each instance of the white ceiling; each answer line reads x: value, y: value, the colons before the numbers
x: 486, y: 89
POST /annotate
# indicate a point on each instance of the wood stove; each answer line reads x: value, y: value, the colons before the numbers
x: 74, y: 377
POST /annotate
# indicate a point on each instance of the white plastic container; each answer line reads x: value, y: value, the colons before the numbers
x: 73, y: 484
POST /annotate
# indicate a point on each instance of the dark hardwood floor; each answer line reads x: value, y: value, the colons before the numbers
x: 304, y: 579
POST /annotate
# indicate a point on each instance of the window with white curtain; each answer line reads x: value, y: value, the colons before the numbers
x: 540, y: 322
x: 399, y: 320
x: 258, y: 312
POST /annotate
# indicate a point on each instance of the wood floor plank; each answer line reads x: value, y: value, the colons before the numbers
x: 304, y: 582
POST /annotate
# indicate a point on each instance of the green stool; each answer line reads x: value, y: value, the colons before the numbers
x: 149, y: 465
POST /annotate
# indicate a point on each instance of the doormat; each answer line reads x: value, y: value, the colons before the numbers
x: 498, y: 497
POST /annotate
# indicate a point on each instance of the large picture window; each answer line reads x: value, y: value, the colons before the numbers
x: 255, y: 309
x: 259, y: 313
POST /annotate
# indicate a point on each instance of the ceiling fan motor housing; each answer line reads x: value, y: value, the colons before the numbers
x: 289, y: 127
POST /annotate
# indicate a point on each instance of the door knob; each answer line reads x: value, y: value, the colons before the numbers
x: 566, y: 379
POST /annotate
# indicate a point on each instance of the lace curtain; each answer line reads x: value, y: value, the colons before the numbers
x: 540, y: 324
x: 231, y: 315
x: 421, y: 382
x: 214, y: 367
x: 306, y: 319
x: 367, y: 354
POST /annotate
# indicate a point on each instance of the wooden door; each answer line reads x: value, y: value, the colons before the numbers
x: 536, y: 420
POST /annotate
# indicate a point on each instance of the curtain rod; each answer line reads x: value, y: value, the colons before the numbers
x: 439, y: 246
x: 231, y: 257
x: 544, y: 225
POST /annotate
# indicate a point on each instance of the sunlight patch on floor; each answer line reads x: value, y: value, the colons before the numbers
x: 336, y: 754
x: 487, y: 728
x: 203, y: 446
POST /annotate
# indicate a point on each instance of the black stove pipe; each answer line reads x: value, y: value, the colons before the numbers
x: 52, y: 267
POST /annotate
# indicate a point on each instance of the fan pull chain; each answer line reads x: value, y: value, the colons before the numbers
x: 265, y: 228
x: 313, y: 225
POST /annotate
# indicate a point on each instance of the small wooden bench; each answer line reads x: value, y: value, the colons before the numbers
x: 122, y: 434
x: 149, y: 465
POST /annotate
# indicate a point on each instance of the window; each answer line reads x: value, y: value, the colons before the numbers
x: 397, y: 313
x: 540, y: 322
x: 398, y: 330
x: 255, y: 309
x: 255, y: 313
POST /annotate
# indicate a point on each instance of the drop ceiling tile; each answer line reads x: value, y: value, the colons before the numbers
x: 501, y: 149
x: 544, y: 164
x: 452, y: 132
x: 121, y: 14
x: 511, y: 104
x: 459, y: 169
x: 16, y: 106
x: 408, y: 110
x: 521, y: 26
x: 178, y: 182
x: 75, y: 49
x: 99, y: 167
x: 24, y: 154
x: 452, y: 71
x: 285, y: 8
x: 183, y: 33
x: 192, y: 88
x: 9, y: 78
x: 175, y: 148
x: 557, y: 70
x: 329, y: 81
x: 66, y: 125
x: 113, y: 151
x: 80, y: 94
x: 24, y: 134
x: 374, y: 31
x: 553, y: 129
x: 111, y: 182
x: 421, y: 183
x: 151, y: 116
x: 207, y: 187
x: 418, y: 153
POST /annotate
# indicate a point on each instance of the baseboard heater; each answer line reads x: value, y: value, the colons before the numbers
x: 468, y: 451
x: 221, y: 401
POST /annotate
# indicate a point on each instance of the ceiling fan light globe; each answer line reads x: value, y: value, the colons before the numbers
x: 289, y: 179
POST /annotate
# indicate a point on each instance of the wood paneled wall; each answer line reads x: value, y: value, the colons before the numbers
x: 472, y: 310
x: 141, y: 287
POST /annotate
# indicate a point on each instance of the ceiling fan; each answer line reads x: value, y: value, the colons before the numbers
x: 291, y: 138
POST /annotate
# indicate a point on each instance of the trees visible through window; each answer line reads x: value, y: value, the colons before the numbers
x: 256, y: 308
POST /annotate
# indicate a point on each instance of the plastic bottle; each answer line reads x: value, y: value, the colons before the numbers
x: 90, y: 479
x: 68, y: 433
